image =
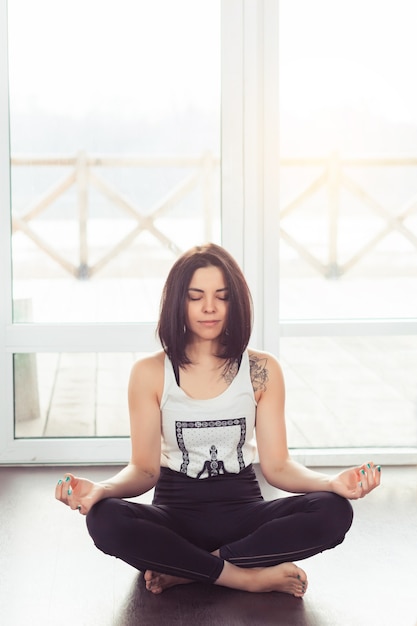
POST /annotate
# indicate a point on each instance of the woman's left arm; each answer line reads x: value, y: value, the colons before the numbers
x: 276, y: 465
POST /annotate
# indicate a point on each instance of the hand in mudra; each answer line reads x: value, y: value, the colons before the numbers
x: 356, y: 482
x: 78, y: 493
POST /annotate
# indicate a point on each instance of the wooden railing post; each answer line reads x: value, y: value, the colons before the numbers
x: 26, y: 404
x: 82, y: 196
x: 333, y: 269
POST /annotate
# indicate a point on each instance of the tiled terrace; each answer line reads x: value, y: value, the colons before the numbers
x: 340, y: 392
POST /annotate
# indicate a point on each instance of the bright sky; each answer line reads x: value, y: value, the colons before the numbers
x: 150, y: 56
x: 88, y: 55
x: 358, y: 53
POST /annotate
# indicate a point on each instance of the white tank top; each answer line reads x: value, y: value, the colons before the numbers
x: 203, y: 438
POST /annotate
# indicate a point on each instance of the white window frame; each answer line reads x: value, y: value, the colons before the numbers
x: 250, y: 230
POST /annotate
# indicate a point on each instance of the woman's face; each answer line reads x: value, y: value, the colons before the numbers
x: 207, y: 304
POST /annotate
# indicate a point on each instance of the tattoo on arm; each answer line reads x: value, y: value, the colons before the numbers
x: 258, y: 372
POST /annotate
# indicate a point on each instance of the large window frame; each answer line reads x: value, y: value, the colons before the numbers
x: 249, y: 166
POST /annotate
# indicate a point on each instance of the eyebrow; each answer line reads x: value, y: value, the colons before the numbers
x: 202, y: 290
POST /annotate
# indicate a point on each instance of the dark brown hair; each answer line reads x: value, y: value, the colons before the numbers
x: 172, y: 320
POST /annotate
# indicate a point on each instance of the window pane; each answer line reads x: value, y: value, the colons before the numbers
x: 341, y: 392
x: 348, y: 114
x: 350, y: 391
x: 115, y: 141
x: 71, y: 394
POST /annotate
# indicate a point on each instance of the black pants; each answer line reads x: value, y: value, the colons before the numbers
x: 190, y: 518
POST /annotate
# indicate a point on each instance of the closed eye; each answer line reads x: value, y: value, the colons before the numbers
x: 197, y: 294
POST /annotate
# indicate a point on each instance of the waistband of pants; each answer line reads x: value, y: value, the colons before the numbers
x: 175, y: 488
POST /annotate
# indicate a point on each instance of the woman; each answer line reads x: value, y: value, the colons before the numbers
x: 207, y: 393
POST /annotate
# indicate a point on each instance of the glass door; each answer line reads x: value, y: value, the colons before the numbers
x: 112, y: 111
x: 348, y: 227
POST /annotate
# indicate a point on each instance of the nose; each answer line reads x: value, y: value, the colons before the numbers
x: 209, y: 305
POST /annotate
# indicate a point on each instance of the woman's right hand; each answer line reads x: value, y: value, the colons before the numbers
x: 79, y: 493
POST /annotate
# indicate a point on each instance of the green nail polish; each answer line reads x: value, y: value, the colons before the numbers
x: 379, y: 468
x: 69, y: 491
x: 363, y: 472
x: 68, y: 478
x: 59, y: 482
x: 369, y: 465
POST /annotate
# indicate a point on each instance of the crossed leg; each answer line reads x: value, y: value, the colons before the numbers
x: 275, y: 533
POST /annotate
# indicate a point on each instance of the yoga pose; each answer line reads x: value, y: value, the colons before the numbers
x: 195, y: 409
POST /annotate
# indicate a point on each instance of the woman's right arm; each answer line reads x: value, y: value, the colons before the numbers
x: 141, y: 474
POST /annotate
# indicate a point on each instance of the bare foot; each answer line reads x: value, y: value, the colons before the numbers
x: 157, y: 583
x: 286, y: 577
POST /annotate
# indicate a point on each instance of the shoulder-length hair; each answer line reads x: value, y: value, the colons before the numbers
x: 172, y: 328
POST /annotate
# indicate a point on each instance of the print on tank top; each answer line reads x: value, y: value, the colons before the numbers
x: 214, y: 467
x: 202, y: 433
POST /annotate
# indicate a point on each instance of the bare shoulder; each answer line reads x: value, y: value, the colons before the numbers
x: 264, y: 369
x: 148, y: 372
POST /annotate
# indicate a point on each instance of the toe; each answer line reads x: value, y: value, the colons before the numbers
x: 301, y: 575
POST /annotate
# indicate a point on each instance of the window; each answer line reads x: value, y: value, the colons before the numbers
x: 113, y: 113
x: 275, y: 137
x: 348, y: 225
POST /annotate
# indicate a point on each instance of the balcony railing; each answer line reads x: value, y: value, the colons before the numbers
x: 334, y: 178
x: 84, y: 174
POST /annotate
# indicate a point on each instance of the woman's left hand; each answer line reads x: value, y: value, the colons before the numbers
x: 356, y: 482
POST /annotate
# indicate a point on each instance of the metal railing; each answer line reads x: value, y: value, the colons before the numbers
x: 333, y: 178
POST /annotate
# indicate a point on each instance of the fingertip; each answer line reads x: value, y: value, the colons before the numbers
x: 69, y: 479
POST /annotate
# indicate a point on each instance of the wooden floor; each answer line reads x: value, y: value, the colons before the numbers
x: 52, y: 575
